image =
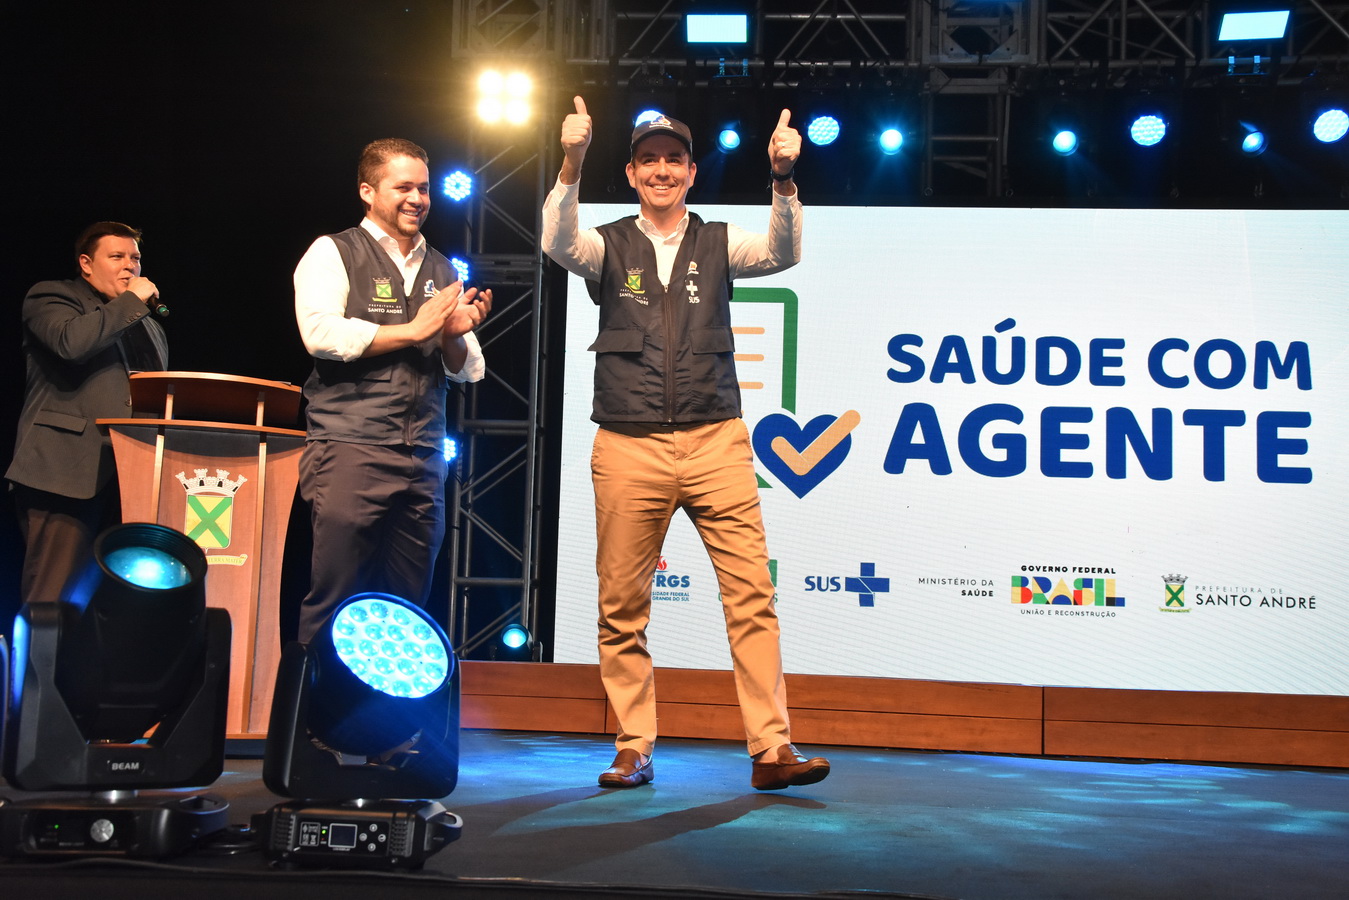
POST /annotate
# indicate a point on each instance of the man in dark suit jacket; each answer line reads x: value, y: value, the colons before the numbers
x: 81, y: 340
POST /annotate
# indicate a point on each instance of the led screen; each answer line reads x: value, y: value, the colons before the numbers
x: 1037, y: 446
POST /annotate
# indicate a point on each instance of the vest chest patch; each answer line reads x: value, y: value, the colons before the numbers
x: 383, y: 302
x: 632, y: 287
x: 690, y: 283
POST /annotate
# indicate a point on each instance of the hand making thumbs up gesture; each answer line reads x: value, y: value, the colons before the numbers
x: 784, y: 147
x: 576, y: 133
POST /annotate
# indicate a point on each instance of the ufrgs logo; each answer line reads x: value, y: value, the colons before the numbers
x: 665, y: 578
x: 667, y: 585
x: 672, y: 585
x: 866, y: 585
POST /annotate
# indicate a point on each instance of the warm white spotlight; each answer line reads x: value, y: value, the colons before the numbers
x: 491, y: 110
x: 518, y: 84
x: 516, y: 111
x: 504, y: 97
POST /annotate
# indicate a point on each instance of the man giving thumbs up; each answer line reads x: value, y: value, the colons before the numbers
x: 670, y: 435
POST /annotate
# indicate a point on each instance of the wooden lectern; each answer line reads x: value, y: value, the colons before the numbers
x: 217, y: 458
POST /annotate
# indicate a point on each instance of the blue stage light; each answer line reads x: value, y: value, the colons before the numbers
x: 365, y: 718
x: 1065, y: 142
x: 822, y: 130
x: 147, y: 567
x: 1330, y: 126
x: 1148, y: 130
x: 891, y: 140
x: 451, y: 449
x: 1254, y: 143
x: 461, y: 268
x: 391, y: 646
x: 646, y: 115
x: 728, y: 140
x: 515, y: 636
x: 458, y: 186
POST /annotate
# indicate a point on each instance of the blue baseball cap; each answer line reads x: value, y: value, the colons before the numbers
x: 663, y: 125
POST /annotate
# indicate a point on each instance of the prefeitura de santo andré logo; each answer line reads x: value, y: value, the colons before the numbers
x: 1175, y: 594
x: 210, y: 507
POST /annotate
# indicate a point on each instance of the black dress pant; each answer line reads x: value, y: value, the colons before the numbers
x: 378, y: 515
x: 58, y: 535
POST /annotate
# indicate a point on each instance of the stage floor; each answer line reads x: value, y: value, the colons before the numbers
x: 886, y: 822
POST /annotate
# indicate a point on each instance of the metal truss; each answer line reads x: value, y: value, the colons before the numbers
x: 790, y: 39
x: 963, y: 63
x: 946, y: 53
x: 493, y: 499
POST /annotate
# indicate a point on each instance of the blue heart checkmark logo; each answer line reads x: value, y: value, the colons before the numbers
x: 803, y: 456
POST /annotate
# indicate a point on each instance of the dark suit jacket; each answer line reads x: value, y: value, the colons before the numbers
x: 74, y: 342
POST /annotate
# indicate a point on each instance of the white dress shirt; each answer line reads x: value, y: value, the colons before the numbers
x: 582, y: 252
x: 321, y: 289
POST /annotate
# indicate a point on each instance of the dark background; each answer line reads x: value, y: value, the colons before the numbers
x: 228, y: 133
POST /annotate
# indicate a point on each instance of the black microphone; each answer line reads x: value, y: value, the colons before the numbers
x: 158, y: 308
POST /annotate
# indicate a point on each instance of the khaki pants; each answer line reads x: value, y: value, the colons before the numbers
x: 642, y: 474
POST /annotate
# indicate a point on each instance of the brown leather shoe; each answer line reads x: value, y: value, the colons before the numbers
x: 628, y: 770
x: 784, y: 767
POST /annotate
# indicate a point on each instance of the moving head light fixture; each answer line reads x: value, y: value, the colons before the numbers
x: 364, y: 735
x: 120, y: 686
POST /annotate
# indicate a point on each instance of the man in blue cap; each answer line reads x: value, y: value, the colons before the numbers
x: 671, y: 436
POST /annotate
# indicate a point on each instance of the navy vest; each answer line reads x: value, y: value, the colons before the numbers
x: 394, y: 398
x: 664, y: 356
